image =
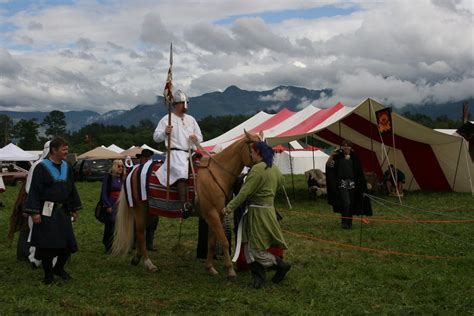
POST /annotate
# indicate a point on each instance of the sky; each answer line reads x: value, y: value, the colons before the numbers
x: 104, y: 55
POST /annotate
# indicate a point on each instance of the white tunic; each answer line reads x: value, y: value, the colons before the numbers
x: 183, y: 128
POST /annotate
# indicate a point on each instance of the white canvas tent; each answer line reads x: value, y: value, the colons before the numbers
x: 430, y: 160
x: 115, y: 148
x: 11, y: 152
x: 297, y: 157
x: 300, y: 161
x: 100, y: 153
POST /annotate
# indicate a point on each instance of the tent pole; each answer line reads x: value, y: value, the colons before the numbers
x: 395, y: 176
x: 466, y: 149
x: 312, y: 149
x: 374, y: 163
x: 457, y: 164
x: 371, y: 138
x: 411, y: 181
x: 291, y: 169
x: 384, y: 158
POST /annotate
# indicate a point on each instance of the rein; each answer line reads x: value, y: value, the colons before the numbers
x: 224, y: 169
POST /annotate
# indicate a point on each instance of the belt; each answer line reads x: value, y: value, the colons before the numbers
x: 179, y: 149
x: 59, y: 205
x: 115, y: 194
x: 260, y: 206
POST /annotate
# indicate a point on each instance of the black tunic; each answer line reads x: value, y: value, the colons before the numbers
x: 361, y: 204
x: 53, y: 182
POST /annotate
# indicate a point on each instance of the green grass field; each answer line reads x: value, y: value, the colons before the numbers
x: 395, y: 265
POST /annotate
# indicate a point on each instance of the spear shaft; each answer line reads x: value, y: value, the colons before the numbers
x: 169, y: 102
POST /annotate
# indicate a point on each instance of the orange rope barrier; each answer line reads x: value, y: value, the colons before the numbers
x: 389, y: 252
x: 366, y: 220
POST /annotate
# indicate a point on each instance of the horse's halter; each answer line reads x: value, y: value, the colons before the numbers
x: 228, y: 171
x: 249, y: 146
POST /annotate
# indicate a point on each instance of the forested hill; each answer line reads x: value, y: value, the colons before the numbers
x: 232, y: 101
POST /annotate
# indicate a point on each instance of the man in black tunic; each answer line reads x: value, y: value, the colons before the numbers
x: 51, y: 202
x: 346, y: 185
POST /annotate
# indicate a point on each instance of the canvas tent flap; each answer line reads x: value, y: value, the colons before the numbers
x: 132, y: 151
x: 100, y: 153
x: 11, y: 152
x: 115, y: 148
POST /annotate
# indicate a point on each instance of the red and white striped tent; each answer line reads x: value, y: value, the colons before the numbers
x: 430, y: 160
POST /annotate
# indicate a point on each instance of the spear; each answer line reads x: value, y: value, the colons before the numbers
x: 168, y: 98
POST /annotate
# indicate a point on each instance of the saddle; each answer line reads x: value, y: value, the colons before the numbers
x: 150, y: 189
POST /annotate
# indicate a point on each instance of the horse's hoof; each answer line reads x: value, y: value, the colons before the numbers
x: 211, y: 271
x: 232, y: 278
x: 150, y: 266
x: 135, y: 261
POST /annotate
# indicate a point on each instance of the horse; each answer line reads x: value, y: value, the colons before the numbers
x: 215, y: 179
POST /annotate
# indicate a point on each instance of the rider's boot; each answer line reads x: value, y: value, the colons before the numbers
x: 282, y: 269
x: 258, y: 273
x: 183, y: 197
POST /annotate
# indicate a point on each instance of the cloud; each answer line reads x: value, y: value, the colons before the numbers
x: 154, y: 30
x: 279, y: 95
x: 84, y: 43
x: 9, y: 67
x: 112, y: 55
x: 35, y: 26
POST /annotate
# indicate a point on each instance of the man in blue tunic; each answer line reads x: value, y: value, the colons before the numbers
x: 51, y: 202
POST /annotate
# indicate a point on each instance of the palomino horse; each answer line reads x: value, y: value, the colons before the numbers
x: 217, y: 174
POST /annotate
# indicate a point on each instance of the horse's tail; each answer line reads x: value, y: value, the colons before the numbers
x: 123, y: 235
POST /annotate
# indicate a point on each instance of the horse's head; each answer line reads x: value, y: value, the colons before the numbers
x: 249, y: 139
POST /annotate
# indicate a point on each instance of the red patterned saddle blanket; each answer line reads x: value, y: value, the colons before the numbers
x: 150, y: 189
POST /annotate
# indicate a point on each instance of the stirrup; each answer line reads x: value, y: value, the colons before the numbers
x: 188, y: 210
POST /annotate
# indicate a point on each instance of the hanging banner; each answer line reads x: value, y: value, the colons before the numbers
x: 168, y: 91
x: 384, y: 121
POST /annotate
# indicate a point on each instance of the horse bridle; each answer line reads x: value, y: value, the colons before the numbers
x: 225, y: 169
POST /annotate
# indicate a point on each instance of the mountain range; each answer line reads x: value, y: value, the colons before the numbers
x: 231, y: 101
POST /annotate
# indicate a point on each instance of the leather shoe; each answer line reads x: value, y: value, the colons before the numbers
x: 282, y: 269
x: 48, y: 279
x: 62, y: 274
x: 258, y: 273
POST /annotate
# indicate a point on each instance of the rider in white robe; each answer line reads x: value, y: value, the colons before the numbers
x: 185, y: 133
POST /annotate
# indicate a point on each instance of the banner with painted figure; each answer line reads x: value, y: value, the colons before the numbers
x: 384, y: 121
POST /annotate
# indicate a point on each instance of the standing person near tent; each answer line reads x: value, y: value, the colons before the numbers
x: 261, y: 229
x: 51, y: 202
x: 2, y: 189
x: 21, y: 222
x: 32, y: 250
x: 185, y: 134
x: 346, y: 184
x: 111, y: 187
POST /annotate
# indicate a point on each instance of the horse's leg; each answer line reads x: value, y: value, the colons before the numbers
x: 211, y: 252
x: 138, y: 254
x: 140, y: 226
x: 215, y: 224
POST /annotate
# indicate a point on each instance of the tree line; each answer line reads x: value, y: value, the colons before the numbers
x: 26, y: 132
